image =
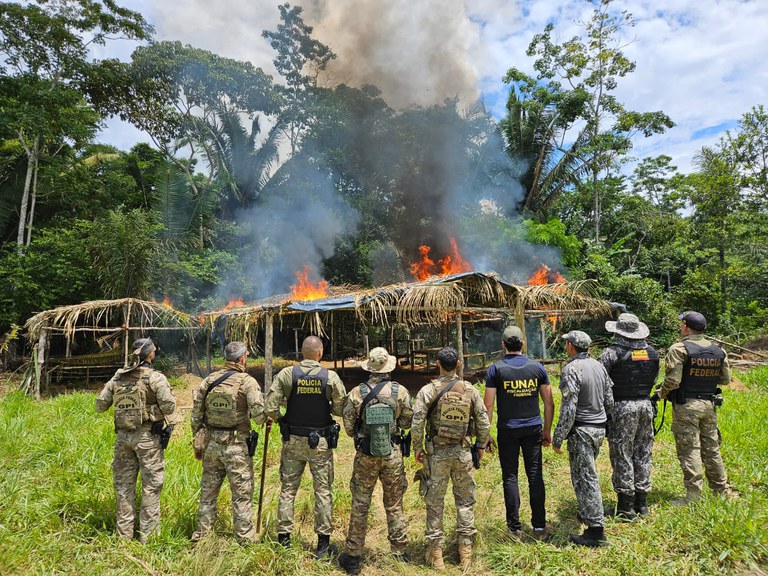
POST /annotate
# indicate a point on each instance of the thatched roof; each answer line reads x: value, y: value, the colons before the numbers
x: 106, y: 316
x: 430, y: 302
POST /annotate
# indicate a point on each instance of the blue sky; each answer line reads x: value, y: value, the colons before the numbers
x: 702, y: 62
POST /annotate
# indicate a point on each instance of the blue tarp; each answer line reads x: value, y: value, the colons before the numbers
x: 347, y: 302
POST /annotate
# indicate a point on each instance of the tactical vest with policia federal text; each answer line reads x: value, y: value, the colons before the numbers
x: 517, y: 390
x: 308, y: 408
x: 377, y: 421
x: 635, y: 373
x: 134, y: 400
x: 225, y: 407
x: 702, y: 371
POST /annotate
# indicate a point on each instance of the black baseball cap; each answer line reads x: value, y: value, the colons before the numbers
x: 694, y: 320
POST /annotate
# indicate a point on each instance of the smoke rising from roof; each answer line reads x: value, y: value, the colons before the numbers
x: 417, y: 53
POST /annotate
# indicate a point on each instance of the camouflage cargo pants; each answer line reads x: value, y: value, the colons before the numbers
x: 296, y: 454
x: 365, y: 472
x: 630, y: 443
x: 583, y: 447
x: 227, y: 457
x: 454, y: 463
x: 694, y: 425
x: 135, y: 451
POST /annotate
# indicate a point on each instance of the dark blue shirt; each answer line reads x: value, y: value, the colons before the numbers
x: 535, y: 372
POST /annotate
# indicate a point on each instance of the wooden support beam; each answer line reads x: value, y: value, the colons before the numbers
x: 40, y: 365
x: 268, y: 350
x: 460, y: 342
x: 208, y: 352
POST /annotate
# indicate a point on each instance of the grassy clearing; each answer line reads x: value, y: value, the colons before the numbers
x: 57, y: 507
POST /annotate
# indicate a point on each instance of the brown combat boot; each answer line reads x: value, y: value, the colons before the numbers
x: 435, y: 558
x: 465, y: 556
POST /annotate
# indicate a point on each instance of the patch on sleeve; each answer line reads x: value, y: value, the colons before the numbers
x: 565, y: 391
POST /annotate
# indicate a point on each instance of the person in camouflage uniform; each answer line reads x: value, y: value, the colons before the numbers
x: 142, y: 398
x: 443, y: 426
x: 311, y: 395
x: 586, y: 404
x: 225, y: 403
x: 379, y: 393
x: 633, y: 366
x: 695, y: 368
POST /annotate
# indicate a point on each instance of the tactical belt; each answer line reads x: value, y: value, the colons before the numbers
x: 302, y: 431
x: 222, y: 429
x: 622, y: 399
x: 708, y: 396
x: 581, y: 424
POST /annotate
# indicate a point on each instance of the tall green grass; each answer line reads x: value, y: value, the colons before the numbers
x: 57, y: 507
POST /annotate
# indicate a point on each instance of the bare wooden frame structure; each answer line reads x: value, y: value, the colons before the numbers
x: 123, y: 317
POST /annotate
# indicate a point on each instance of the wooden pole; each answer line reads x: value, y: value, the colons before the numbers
x: 460, y: 341
x: 296, y: 342
x: 208, y: 351
x: 40, y: 367
x: 126, y: 334
x: 367, y: 345
x: 268, y: 336
x: 263, y: 474
x: 333, y: 339
x: 542, y: 331
x: 520, y: 320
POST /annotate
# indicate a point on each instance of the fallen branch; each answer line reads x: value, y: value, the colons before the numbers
x: 747, y: 350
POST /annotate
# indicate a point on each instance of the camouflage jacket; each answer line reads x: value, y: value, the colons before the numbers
x: 158, y: 384
x: 354, y: 401
x: 425, y: 397
x: 249, y: 394
x: 578, y: 371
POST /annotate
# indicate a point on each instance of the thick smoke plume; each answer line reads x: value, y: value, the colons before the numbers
x: 416, y: 52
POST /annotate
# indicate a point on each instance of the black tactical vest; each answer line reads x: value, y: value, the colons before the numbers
x: 517, y: 390
x: 308, y: 407
x: 635, y: 373
x: 703, y: 368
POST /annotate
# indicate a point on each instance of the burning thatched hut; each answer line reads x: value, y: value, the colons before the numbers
x: 434, y: 302
x: 112, y: 324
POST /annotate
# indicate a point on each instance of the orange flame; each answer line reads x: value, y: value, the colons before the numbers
x: 453, y: 263
x: 422, y: 269
x: 167, y: 301
x: 304, y: 289
x: 234, y: 303
x: 544, y: 275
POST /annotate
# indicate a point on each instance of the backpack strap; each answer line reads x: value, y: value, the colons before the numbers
x: 440, y: 395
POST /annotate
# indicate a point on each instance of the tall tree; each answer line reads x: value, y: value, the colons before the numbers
x: 45, y: 54
x: 300, y: 58
x: 582, y: 73
x: 189, y: 99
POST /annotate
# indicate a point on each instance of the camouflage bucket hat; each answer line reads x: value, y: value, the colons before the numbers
x: 629, y: 326
x: 379, y: 361
x: 578, y: 338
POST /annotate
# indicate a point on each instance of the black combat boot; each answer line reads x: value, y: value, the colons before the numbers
x: 284, y: 540
x: 324, y: 547
x: 350, y: 564
x: 624, y: 508
x: 592, y: 537
x: 641, y: 503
